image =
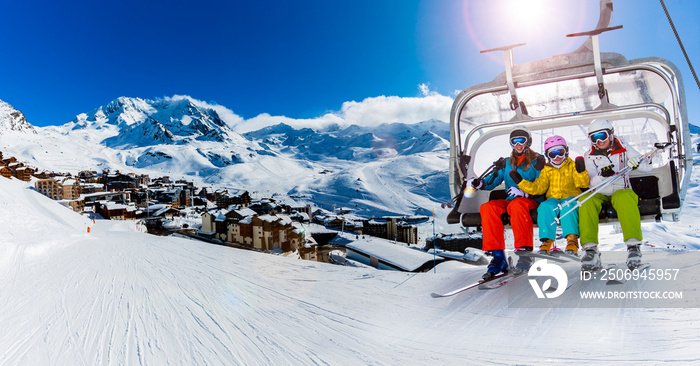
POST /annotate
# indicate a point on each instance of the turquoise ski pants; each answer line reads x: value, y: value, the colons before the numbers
x: 548, y: 211
x: 624, y: 201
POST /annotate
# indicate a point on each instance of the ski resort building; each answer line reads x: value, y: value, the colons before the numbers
x: 382, y: 254
x: 227, y: 198
x: 66, y: 190
x: 244, y: 226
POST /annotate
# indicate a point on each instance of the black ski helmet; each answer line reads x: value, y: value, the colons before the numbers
x: 521, y: 131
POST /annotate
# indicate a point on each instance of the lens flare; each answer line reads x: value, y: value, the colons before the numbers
x: 469, y: 192
x: 541, y: 24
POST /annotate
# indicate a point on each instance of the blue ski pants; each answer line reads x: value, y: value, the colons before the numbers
x: 548, y: 211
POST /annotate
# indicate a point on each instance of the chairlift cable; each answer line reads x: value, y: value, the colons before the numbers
x: 678, y: 38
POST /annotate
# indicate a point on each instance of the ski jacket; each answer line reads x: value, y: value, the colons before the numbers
x: 495, y: 178
x: 616, y: 156
x: 559, y: 183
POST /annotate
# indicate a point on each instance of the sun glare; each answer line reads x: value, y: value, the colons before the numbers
x: 541, y: 24
x: 526, y: 14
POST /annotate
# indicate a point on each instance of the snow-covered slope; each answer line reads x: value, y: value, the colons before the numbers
x: 118, y: 296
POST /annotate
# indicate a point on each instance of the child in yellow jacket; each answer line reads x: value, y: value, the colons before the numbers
x: 561, y: 179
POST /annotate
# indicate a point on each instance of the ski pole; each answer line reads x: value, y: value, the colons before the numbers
x: 658, y: 147
x: 468, y: 192
x: 593, y: 192
x: 593, y: 189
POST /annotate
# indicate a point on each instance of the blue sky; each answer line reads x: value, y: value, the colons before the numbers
x: 301, y: 59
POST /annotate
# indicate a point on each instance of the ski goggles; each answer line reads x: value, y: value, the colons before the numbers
x: 555, y: 153
x: 600, y: 136
x: 518, y: 140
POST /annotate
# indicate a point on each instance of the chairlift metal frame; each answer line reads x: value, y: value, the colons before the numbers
x: 656, y: 97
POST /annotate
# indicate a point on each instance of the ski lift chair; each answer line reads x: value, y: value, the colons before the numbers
x: 643, y: 98
x: 640, y: 128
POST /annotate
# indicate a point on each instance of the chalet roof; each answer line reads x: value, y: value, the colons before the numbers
x: 102, y: 194
x: 94, y: 185
x: 321, y: 211
x: 292, y: 202
x: 156, y: 207
x: 298, y: 228
x: 115, y: 206
x: 303, y: 215
x: 400, y: 256
x: 163, y: 210
x: 245, y: 212
x: 221, y: 215
x: 284, y: 220
x: 268, y: 218
x: 55, y: 179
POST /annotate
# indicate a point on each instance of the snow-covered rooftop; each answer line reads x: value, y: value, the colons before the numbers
x: 397, y: 254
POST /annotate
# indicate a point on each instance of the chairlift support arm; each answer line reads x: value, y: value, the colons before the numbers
x: 515, y: 104
x: 602, y: 92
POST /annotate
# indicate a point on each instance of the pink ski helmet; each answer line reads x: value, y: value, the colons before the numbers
x: 553, y: 141
x: 553, y: 144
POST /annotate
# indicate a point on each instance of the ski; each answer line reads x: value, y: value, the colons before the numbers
x: 572, y: 257
x: 619, y: 280
x: 543, y: 256
x: 467, y: 287
x: 491, y: 285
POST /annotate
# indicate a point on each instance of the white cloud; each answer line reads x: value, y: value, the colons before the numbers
x: 264, y: 120
x: 424, y: 89
x: 369, y: 112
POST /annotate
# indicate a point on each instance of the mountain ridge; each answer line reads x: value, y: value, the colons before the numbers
x: 392, y: 168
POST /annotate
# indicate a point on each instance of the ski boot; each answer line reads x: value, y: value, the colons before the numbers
x: 524, y: 262
x: 571, y: 244
x: 546, y: 246
x: 634, y: 253
x: 499, y: 264
x: 591, y: 260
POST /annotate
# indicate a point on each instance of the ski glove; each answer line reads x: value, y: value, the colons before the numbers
x: 499, y: 164
x: 475, y: 183
x: 517, y: 192
x: 607, y: 171
x: 539, y: 163
x: 633, y: 162
x: 580, y: 164
x: 517, y: 178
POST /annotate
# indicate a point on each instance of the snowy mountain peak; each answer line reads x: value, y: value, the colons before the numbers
x: 13, y: 120
x: 143, y: 122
